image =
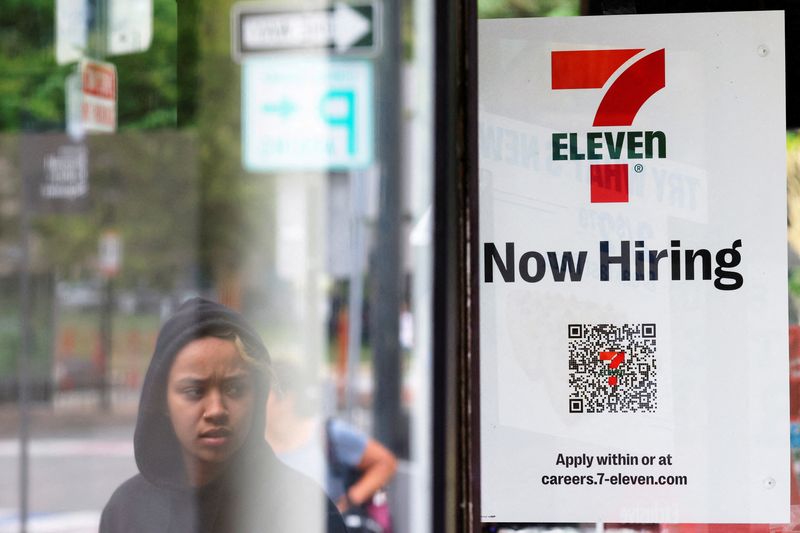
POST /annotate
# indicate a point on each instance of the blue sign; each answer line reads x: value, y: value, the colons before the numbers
x: 307, y: 114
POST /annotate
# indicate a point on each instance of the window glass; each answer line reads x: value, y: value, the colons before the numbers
x: 160, y: 159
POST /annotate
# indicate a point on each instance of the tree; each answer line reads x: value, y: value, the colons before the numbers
x: 32, y: 84
x: 527, y: 8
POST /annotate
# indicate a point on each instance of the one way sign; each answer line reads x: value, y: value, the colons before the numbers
x: 343, y: 29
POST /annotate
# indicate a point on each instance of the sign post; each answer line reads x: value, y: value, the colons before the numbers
x: 634, y: 361
x: 109, y: 255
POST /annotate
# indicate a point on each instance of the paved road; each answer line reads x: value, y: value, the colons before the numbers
x: 77, y: 457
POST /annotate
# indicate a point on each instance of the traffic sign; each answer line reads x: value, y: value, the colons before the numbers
x: 352, y: 29
x: 130, y: 26
x: 71, y: 30
x: 109, y: 253
x: 307, y: 114
x: 99, y: 89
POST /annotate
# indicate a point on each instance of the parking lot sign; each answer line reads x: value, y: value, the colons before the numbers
x: 307, y: 114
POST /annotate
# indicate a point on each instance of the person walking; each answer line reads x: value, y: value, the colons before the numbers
x: 351, y: 466
x: 204, y: 466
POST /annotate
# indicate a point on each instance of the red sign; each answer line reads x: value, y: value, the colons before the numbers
x: 99, y: 96
x: 625, y: 95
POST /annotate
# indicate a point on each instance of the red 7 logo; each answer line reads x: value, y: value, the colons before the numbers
x: 616, y: 359
x: 591, y: 69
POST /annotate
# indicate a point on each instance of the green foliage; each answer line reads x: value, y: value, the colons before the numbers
x: 187, y: 61
x: 41, y: 297
x: 32, y: 84
x: 792, y: 141
x: 794, y: 282
x: 148, y: 88
x: 140, y: 182
x: 527, y: 8
x: 222, y: 180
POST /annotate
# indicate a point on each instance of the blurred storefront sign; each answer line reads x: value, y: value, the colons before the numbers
x: 56, y: 173
x: 351, y: 29
x: 307, y: 114
x: 99, y: 90
x: 633, y: 285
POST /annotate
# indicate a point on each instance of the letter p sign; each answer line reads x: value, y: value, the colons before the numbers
x: 338, y: 110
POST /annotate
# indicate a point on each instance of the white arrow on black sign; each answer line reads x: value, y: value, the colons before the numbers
x: 338, y: 28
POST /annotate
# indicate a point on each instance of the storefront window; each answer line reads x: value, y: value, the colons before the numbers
x: 271, y: 158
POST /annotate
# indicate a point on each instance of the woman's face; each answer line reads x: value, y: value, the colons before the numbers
x: 210, y: 400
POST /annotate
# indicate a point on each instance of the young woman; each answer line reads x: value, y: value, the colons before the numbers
x: 203, y: 464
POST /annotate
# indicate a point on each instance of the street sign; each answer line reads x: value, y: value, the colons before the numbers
x: 351, y: 29
x: 633, y: 319
x: 307, y: 114
x: 71, y: 30
x: 55, y: 173
x: 110, y: 253
x: 130, y: 26
x: 99, y: 90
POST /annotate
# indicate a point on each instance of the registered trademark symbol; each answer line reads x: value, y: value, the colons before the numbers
x: 638, y: 168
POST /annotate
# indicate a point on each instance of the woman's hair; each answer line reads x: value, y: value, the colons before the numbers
x: 260, y: 365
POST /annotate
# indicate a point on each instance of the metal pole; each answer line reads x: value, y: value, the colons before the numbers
x: 105, y: 345
x: 98, y: 33
x: 355, y: 304
x: 388, y: 258
x: 23, y: 362
x: 98, y: 45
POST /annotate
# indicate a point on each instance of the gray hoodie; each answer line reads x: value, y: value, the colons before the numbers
x: 256, y: 493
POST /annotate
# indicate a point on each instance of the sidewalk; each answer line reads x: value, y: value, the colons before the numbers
x: 72, y: 414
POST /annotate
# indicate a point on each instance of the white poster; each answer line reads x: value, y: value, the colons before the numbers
x: 634, y: 361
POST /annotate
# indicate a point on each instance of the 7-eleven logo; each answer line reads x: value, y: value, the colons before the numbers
x: 591, y: 69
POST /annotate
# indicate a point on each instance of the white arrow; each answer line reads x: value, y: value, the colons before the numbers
x: 348, y: 26
x: 341, y: 27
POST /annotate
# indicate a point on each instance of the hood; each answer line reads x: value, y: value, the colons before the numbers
x: 156, y: 448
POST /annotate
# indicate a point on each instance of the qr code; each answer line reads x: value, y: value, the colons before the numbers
x: 612, y: 368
